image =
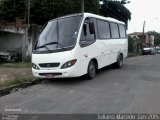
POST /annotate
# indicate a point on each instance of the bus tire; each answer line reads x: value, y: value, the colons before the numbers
x: 119, y: 62
x: 1, y: 61
x: 91, y: 70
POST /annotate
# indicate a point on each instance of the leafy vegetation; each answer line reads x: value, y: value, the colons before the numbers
x: 44, y: 10
x: 116, y: 9
x: 16, y: 80
x: 156, y: 37
x: 11, y: 9
x: 132, y: 45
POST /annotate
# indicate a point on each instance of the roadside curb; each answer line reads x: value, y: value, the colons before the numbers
x: 130, y: 56
x: 17, y: 87
x: 134, y: 56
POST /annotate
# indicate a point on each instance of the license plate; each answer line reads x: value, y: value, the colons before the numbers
x: 49, y: 75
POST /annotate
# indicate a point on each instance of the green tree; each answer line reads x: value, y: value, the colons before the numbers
x: 116, y: 9
x: 132, y: 44
x: 10, y: 9
x: 44, y: 10
x: 156, y: 37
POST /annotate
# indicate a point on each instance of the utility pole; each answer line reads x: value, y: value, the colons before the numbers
x: 82, y: 6
x: 28, y: 15
x: 143, y: 39
x: 26, y: 38
x: 53, y: 9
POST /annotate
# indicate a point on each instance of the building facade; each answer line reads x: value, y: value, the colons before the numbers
x: 143, y: 38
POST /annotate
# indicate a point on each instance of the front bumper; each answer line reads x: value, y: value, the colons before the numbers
x: 60, y: 73
x: 146, y: 52
x: 6, y: 58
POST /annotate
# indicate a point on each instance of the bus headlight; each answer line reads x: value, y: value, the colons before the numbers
x: 34, y: 66
x: 69, y: 64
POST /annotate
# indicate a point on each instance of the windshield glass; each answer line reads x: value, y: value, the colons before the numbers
x: 59, y: 34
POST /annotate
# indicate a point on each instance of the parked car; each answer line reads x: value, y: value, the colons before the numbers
x: 149, y: 50
x: 6, y: 56
x: 158, y: 50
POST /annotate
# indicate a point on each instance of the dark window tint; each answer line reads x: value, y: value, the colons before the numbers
x: 103, y: 29
x: 86, y: 35
x: 122, y: 31
x: 114, y: 30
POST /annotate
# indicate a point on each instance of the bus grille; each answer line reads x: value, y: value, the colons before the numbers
x: 49, y: 65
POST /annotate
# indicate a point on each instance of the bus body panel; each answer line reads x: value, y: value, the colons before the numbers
x: 105, y: 52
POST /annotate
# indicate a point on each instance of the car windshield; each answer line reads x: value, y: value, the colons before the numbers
x: 59, y: 34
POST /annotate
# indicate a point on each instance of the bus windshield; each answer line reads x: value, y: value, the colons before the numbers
x: 59, y: 34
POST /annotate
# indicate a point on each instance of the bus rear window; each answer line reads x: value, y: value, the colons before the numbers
x: 122, y: 31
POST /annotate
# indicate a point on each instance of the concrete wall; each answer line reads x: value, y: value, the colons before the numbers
x: 13, y: 29
x: 152, y: 39
x: 18, y: 39
x: 10, y: 41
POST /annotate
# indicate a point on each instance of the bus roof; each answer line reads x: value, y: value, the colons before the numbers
x: 91, y: 15
x: 102, y: 17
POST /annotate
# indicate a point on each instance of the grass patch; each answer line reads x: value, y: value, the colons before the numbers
x: 16, y: 65
x: 134, y: 54
x: 16, y: 81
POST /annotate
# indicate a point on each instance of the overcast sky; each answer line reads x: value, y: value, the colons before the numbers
x: 148, y: 10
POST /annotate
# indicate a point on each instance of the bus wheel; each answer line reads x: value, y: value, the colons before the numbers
x: 119, y: 63
x: 91, y: 70
x: 1, y: 60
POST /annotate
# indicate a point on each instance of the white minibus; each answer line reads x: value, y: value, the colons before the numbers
x: 79, y: 44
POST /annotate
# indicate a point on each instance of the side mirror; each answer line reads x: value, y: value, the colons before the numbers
x: 91, y: 28
x: 85, y: 29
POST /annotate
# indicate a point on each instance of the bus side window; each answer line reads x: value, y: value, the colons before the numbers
x: 88, y: 31
x: 122, y: 31
x: 114, y: 30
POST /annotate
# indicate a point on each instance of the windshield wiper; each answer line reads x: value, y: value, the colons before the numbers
x: 45, y: 45
x: 47, y: 48
x: 59, y: 44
